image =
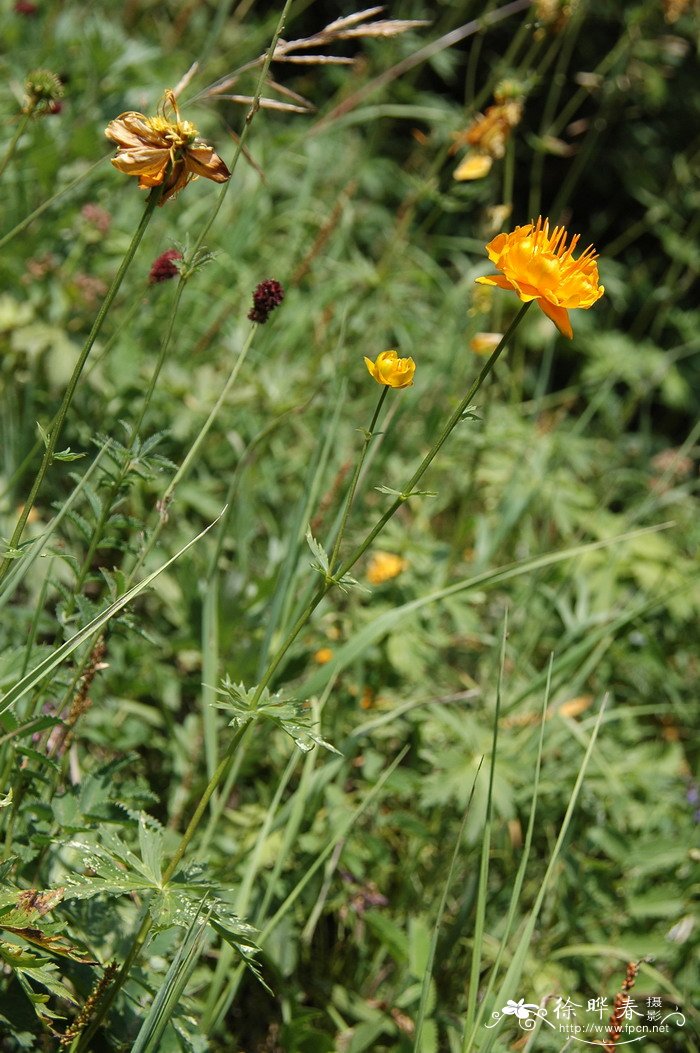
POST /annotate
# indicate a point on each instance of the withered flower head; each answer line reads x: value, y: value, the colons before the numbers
x: 164, y: 150
x: 488, y: 134
x: 43, y: 89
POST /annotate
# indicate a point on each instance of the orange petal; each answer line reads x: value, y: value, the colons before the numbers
x: 496, y: 279
x: 142, y: 161
x: 560, y: 317
x: 178, y: 178
x: 131, y: 129
x: 203, y: 161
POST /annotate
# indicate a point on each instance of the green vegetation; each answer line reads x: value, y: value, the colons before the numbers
x: 330, y: 723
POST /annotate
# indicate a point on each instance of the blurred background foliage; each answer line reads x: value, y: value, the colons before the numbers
x: 354, y: 208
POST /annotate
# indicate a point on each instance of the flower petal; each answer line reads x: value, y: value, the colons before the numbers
x: 142, y: 161
x: 560, y: 317
x: 496, y: 279
x: 178, y: 178
x: 132, y: 129
x: 203, y: 161
x: 473, y: 166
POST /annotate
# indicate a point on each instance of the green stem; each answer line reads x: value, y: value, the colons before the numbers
x: 135, y: 432
x: 437, y: 445
x: 55, y: 431
x: 9, y: 154
x: 199, y: 811
x: 191, y: 454
x: 105, y: 349
x: 194, y: 448
x: 369, y: 435
x: 254, y: 107
x: 327, y: 585
x: 24, y: 223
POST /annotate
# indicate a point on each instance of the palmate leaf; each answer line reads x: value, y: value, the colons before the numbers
x: 115, y: 869
x: 290, y: 715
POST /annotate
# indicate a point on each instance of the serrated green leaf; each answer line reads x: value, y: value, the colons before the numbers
x: 151, y: 846
x: 322, y: 560
x: 290, y: 715
x: 66, y: 455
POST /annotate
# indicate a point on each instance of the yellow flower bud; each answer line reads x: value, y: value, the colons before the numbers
x: 390, y: 370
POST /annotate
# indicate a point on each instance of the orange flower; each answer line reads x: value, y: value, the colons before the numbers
x: 162, y: 151
x: 540, y: 266
x: 384, y: 566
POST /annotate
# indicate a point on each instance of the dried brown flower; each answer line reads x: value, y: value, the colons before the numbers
x: 162, y: 151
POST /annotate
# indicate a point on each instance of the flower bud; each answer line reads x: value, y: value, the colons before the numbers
x: 390, y: 370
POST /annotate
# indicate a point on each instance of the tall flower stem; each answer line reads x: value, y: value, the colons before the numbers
x: 57, y: 426
x: 191, y: 454
x: 82, y: 1044
x: 19, y: 132
x: 432, y: 453
x: 404, y: 496
x: 39, y: 211
x: 249, y: 117
x: 369, y: 435
x: 133, y: 437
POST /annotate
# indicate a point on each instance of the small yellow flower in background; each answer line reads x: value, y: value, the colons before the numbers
x: 540, y: 266
x: 554, y: 15
x: 163, y: 151
x: 473, y: 166
x: 323, y: 655
x: 390, y: 370
x: 488, y: 133
x: 384, y: 566
x: 674, y: 9
x: 368, y: 698
x: 485, y: 343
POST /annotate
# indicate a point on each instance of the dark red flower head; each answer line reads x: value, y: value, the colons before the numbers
x: 268, y: 295
x: 164, y: 267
